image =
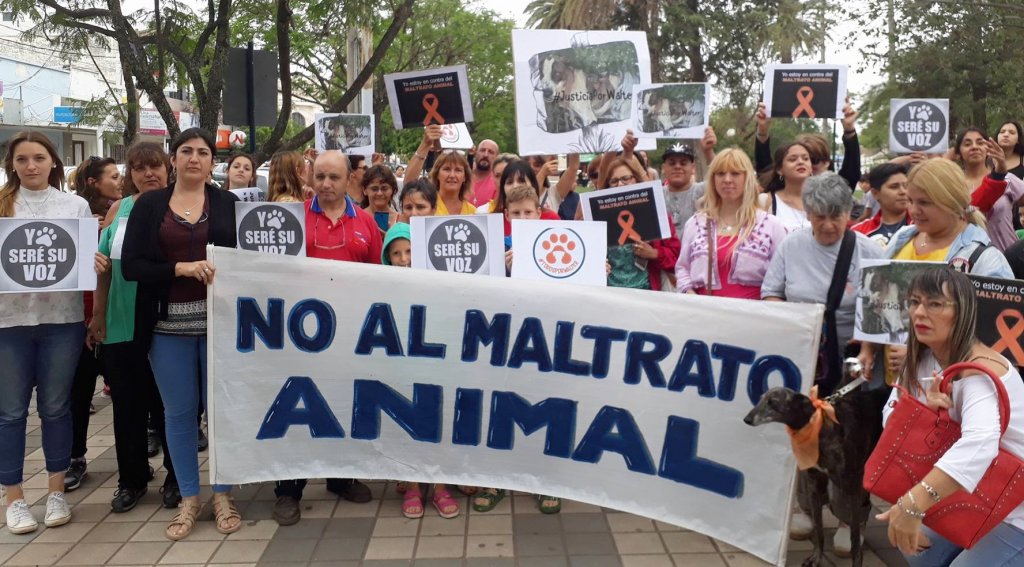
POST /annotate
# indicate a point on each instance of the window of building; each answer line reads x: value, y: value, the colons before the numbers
x: 298, y: 119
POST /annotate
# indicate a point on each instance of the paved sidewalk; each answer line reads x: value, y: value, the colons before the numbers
x: 339, y: 533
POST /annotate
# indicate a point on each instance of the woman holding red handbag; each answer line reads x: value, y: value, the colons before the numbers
x: 943, y: 314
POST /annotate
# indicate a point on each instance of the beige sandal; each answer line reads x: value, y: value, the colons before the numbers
x: 188, y: 511
x: 224, y: 511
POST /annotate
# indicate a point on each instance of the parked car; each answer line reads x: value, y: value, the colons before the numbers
x: 220, y: 173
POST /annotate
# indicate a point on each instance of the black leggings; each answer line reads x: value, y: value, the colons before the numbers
x: 82, y: 390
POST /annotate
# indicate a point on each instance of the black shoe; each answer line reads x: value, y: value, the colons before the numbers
x: 92, y: 408
x: 75, y: 475
x: 125, y: 499
x: 152, y: 444
x: 171, y: 495
x: 203, y: 441
x: 287, y: 511
x: 350, y: 489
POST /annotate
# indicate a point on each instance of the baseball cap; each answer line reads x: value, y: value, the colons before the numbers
x: 678, y: 149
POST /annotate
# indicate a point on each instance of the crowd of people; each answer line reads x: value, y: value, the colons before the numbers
x: 785, y: 229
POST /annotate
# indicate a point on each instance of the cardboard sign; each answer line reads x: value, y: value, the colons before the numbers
x: 566, y: 251
x: 456, y: 137
x: 47, y: 254
x: 436, y: 96
x: 349, y: 133
x: 880, y: 315
x: 277, y: 228
x: 918, y: 125
x: 574, y: 89
x: 469, y: 244
x: 1001, y: 316
x: 250, y: 194
x: 631, y: 212
x: 805, y: 91
x: 671, y: 110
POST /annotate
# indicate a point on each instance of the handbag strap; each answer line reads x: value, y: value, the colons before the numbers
x: 1004, y: 400
x: 833, y: 356
x: 712, y: 249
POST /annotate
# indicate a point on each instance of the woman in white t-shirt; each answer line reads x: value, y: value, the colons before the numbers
x: 784, y: 190
x: 41, y: 336
x: 943, y: 314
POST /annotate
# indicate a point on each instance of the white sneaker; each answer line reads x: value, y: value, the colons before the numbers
x: 842, y: 543
x: 57, y: 511
x: 800, y: 525
x: 19, y: 518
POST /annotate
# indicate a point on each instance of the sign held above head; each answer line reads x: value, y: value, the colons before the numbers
x: 919, y: 125
x: 804, y: 91
x: 434, y: 96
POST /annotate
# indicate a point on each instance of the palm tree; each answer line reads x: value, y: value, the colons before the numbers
x: 571, y: 14
x: 798, y: 27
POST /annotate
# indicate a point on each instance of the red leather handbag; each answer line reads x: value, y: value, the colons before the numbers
x: 916, y: 437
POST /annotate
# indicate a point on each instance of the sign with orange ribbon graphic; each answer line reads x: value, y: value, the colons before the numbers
x: 565, y: 251
x: 805, y: 91
x: 632, y: 213
x: 1001, y: 316
x: 435, y: 96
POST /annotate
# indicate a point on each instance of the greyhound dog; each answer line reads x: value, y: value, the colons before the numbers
x: 843, y: 448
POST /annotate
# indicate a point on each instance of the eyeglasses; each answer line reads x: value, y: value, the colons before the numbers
x: 316, y: 234
x: 378, y: 188
x: 621, y: 180
x: 931, y: 306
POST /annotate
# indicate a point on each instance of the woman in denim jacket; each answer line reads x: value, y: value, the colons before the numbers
x: 743, y: 237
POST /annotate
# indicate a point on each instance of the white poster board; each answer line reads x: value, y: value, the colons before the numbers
x: 339, y: 369
x: 275, y: 228
x: 249, y: 194
x: 563, y: 251
x: 352, y: 134
x: 432, y: 96
x: 39, y: 255
x: 567, y: 99
x: 671, y: 110
x: 456, y: 137
x: 466, y: 244
x: 919, y: 125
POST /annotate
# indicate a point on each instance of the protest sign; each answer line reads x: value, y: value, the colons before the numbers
x: 349, y: 133
x: 467, y: 244
x: 278, y: 228
x: 880, y: 314
x: 631, y: 212
x: 574, y: 89
x: 456, y: 137
x: 249, y: 194
x: 436, y: 96
x: 805, y: 91
x: 568, y: 251
x: 47, y: 254
x: 671, y: 110
x: 918, y: 125
x: 338, y: 369
x: 1001, y: 316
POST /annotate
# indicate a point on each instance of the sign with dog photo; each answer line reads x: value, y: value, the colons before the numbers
x: 277, y: 228
x: 349, y: 133
x: 47, y: 254
x: 465, y: 244
x: 574, y: 89
x: 671, y: 110
x: 1001, y: 316
x: 435, y: 96
x: 881, y: 315
x: 919, y: 125
x: 565, y: 251
x: 632, y: 213
x: 805, y: 91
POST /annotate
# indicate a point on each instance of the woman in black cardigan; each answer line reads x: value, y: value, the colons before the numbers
x: 165, y: 251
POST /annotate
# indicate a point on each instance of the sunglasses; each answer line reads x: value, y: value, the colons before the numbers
x: 316, y: 234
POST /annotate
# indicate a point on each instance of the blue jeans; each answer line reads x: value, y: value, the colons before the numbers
x: 179, y: 365
x: 43, y: 357
x: 1002, y: 547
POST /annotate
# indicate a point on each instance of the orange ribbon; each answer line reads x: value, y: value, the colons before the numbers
x: 805, y: 440
x: 430, y: 103
x: 804, y: 96
x: 626, y: 223
x: 1009, y: 338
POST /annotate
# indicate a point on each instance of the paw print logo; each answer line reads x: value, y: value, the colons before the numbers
x: 922, y: 112
x: 461, y: 233
x: 275, y: 219
x: 558, y: 248
x: 46, y: 236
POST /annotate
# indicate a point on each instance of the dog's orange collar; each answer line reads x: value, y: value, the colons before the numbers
x: 805, y: 439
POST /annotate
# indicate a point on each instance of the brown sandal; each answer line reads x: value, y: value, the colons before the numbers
x: 188, y: 511
x: 224, y: 511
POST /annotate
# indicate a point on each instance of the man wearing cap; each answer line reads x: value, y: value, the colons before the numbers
x: 681, y: 194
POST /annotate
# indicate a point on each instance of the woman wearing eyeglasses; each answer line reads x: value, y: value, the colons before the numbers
x: 379, y: 188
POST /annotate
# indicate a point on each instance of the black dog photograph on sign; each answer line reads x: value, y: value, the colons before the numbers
x: 670, y: 109
x: 345, y: 132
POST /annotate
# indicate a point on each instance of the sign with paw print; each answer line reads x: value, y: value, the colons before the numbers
x: 918, y: 125
x: 470, y: 244
x: 47, y: 254
x: 566, y: 251
x: 277, y: 228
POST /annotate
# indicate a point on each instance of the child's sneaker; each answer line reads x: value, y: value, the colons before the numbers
x: 19, y: 518
x: 57, y: 511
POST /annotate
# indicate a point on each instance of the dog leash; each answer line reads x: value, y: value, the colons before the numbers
x: 846, y: 389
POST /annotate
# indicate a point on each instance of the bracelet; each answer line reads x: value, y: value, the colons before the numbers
x: 931, y: 491
x: 908, y: 511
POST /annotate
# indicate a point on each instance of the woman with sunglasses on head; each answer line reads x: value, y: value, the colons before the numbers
x: 165, y: 252
x: 943, y: 315
x: 41, y: 336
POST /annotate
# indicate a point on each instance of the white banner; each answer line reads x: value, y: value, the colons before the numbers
x: 620, y: 398
x: 47, y: 254
x: 566, y: 251
x: 671, y: 110
x: 456, y: 137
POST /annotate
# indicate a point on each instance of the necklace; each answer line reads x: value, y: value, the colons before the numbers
x: 32, y: 209
x: 188, y: 210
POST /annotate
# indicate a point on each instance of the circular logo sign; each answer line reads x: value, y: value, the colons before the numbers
x: 267, y: 228
x: 449, y: 133
x: 38, y: 254
x: 237, y: 138
x: 559, y: 252
x: 918, y: 126
x: 457, y: 246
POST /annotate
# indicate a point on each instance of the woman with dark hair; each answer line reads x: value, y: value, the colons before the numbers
x: 379, y: 187
x: 783, y: 196
x: 513, y: 174
x: 1011, y: 139
x: 165, y: 251
x: 982, y: 159
x: 41, y: 337
x: 943, y: 313
x: 98, y: 181
x: 418, y: 199
x: 286, y: 171
x: 241, y: 172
